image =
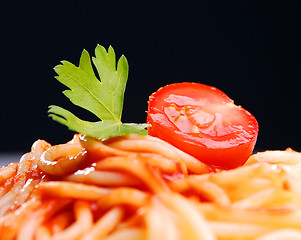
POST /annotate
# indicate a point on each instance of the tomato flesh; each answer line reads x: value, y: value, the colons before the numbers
x: 204, y: 122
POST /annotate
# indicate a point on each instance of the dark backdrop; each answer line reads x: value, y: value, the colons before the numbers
x: 250, y: 51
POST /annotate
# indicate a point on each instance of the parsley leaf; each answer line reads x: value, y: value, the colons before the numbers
x: 104, y: 97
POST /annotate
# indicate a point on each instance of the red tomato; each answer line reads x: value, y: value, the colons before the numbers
x: 204, y: 122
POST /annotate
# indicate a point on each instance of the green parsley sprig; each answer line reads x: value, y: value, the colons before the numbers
x: 104, y: 98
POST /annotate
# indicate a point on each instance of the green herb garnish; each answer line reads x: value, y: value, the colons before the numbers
x: 103, y: 98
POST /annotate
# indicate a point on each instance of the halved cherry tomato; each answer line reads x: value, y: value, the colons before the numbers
x: 204, y: 122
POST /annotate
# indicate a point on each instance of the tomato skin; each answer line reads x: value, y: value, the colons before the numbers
x: 204, y: 122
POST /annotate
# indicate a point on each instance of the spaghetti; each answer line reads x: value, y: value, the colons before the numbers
x: 140, y: 187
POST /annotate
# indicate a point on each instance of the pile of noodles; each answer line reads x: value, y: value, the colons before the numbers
x: 137, y: 187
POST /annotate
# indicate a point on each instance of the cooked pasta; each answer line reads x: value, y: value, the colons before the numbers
x: 140, y: 187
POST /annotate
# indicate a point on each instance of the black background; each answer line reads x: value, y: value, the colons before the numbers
x: 250, y: 51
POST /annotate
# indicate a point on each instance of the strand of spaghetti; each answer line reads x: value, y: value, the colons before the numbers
x: 256, y: 199
x: 32, y: 222
x: 24, y: 193
x: 101, y: 149
x: 160, y: 221
x: 226, y: 230
x: 84, y: 221
x: 8, y: 200
x: 105, y: 224
x: 11, y: 222
x: 274, y: 217
x: 192, y: 223
x: 127, y: 234
x: 183, y: 184
x: 257, y: 183
x: 295, y: 188
x: 291, y: 170
x: 282, y: 234
x: 179, y: 185
x: 169, y: 166
x: 259, y: 188
x: 155, y: 145
x: 104, y: 178
x: 98, y: 150
x: 141, y: 145
x: 6, y: 203
x: 134, y: 220
x: 138, y: 168
x: 72, y: 190
x: 200, y: 185
x: 288, y: 156
x: 37, y: 149
x: 61, y: 159
x: 254, y: 180
x: 230, y: 176
x: 7, y: 172
x: 43, y: 233
x: 61, y: 221
x: 4, y: 190
x: 25, y: 163
x: 35, y: 218
x: 193, y: 164
x: 22, y: 186
x: 124, y: 196
x: 211, y: 192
